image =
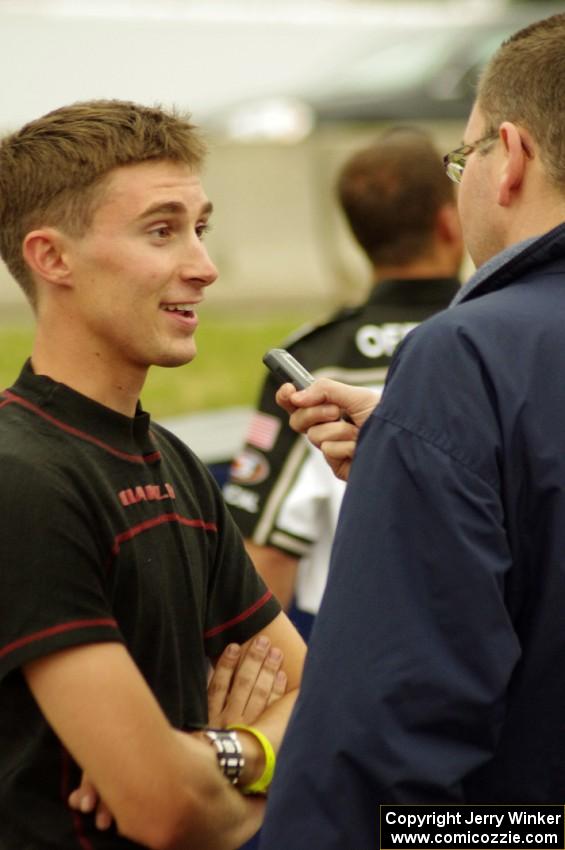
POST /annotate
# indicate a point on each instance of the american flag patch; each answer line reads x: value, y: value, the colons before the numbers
x: 263, y: 430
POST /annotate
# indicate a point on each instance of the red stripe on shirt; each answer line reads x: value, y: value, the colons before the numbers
x: 240, y: 617
x: 55, y: 630
x: 159, y: 520
x: 82, y: 435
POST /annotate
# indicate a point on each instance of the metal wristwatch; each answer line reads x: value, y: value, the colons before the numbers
x: 228, y: 752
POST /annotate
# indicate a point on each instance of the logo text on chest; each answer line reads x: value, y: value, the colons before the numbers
x: 146, y: 493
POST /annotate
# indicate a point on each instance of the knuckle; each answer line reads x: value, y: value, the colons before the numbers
x: 215, y: 688
x: 261, y: 692
x: 245, y: 681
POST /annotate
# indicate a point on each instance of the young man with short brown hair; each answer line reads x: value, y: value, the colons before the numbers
x: 122, y: 572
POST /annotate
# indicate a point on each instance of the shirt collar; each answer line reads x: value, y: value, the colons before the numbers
x: 414, y: 291
x: 76, y: 413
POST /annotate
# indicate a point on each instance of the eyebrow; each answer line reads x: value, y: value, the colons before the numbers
x: 173, y: 208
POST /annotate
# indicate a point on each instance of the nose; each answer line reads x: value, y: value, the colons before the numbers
x: 198, y: 268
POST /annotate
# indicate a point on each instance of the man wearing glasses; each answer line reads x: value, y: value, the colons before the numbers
x: 436, y: 668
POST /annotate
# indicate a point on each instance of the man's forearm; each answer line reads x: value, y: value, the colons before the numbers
x: 221, y: 818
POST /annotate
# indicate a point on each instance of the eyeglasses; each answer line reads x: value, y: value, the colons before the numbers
x: 455, y: 161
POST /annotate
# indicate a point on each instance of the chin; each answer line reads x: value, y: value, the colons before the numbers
x: 172, y: 359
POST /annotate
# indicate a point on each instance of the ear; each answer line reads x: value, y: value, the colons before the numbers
x: 515, y: 159
x: 44, y: 252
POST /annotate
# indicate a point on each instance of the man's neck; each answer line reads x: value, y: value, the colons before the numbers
x: 536, y: 221
x: 88, y: 374
x: 424, y: 268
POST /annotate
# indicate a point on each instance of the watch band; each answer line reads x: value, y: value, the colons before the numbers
x: 228, y: 752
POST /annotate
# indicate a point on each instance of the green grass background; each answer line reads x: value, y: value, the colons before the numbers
x: 227, y: 370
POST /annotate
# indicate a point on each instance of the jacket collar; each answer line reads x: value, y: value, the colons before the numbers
x: 513, y: 262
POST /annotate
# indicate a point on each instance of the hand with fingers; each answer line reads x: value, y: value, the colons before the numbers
x: 245, y: 681
x: 318, y: 412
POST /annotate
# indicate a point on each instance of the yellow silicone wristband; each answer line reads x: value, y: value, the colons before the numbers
x: 261, y: 785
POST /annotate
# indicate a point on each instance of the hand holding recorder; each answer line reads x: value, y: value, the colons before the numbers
x: 328, y: 412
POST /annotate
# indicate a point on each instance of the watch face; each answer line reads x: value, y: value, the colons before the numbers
x: 228, y: 752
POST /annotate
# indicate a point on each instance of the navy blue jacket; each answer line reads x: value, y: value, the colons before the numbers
x: 436, y: 669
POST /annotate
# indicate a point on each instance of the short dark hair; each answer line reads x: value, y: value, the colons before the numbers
x: 52, y: 169
x: 524, y: 83
x: 391, y: 192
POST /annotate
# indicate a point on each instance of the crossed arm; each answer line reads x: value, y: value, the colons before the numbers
x: 162, y: 786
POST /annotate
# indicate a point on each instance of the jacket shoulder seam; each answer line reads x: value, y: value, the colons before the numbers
x: 435, y: 442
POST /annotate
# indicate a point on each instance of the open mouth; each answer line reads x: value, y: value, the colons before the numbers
x: 184, y: 310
